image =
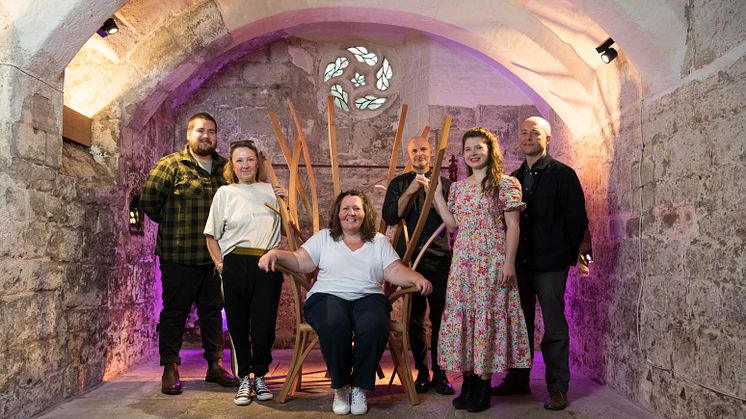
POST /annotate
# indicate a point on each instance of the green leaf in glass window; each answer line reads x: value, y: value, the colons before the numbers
x: 341, y: 99
x: 336, y: 68
x: 370, y: 102
x: 362, y: 55
x: 383, y: 75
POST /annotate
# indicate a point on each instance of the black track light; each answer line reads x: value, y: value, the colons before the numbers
x: 109, y: 27
x: 607, y: 52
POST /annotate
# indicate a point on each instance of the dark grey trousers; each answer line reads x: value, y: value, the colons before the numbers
x: 549, y: 288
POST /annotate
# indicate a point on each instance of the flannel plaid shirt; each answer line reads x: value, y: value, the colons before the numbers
x: 177, y: 196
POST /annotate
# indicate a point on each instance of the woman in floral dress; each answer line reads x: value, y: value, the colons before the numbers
x: 483, y: 329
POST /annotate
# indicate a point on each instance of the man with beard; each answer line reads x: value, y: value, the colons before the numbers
x: 552, y: 228
x: 405, y: 197
x: 177, y: 196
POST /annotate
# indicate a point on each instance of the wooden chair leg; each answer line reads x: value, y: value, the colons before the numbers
x: 293, y: 378
x: 379, y: 371
x: 405, y: 375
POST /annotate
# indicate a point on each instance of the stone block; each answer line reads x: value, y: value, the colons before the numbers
x: 711, y: 31
x: 21, y: 320
x: 31, y: 143
x: 65, y: 244
x: 84, y: 287
x: 704, y: 301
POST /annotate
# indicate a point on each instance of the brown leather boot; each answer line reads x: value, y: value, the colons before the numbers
x: 170, y: 382
x: 217, y: 374
x: 557, y: 400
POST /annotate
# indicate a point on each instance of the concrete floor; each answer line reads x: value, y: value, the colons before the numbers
x: 136, y: 394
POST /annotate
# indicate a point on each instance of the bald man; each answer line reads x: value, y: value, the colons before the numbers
x: 405, y: 198
x: 552, y: 229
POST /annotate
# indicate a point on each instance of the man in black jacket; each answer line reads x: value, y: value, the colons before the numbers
x: 405, y: 197
x: 552, y: 229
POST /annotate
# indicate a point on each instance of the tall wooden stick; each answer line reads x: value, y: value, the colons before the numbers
x: 284, y: 217
x: 395, y: 154
x: 431, y: 191
x: 333, y: 145
x: 309, y: 168
x: 288, y: 156
x: 293, y: 186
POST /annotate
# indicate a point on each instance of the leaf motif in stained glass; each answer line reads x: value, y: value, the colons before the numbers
x: 383, y: 75
x: 341, y: 99
x: 358, y: 80
x: 362, y: 55
x: 370, y: 102
x: 336, y: 68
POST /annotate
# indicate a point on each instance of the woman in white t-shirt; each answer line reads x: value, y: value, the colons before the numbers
x: 239, y: 230
x: 346, y: 304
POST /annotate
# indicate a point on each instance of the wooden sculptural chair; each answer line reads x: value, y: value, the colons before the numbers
x: 305, y: 337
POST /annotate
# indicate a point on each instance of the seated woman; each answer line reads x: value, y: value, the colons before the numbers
x: 240, y: 229
x: 346, y: 304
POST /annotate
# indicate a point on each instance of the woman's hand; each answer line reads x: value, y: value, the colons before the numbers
x: 424, y: 286
x: 508, y: 277
x: 268, y: 262
x: 281, y: 192
x: 219, y: 267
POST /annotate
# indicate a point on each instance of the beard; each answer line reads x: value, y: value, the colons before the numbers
x: 203, y: 149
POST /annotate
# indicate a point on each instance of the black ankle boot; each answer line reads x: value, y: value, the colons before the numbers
x: 479, y: 399
x: 467, y: 388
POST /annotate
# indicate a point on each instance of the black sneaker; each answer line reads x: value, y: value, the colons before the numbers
x: 243, y: 397
x: 441, y: 384
x: 261, y: 389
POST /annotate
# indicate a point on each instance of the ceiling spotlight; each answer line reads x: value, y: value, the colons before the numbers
x: 607, y: 52
x: 109, y: 27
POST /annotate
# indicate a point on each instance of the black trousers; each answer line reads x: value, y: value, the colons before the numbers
x: 184, y: 285
x: 549, y: 287
x: 336, y: 321
x: 437, y: 274
x: 251, y: 298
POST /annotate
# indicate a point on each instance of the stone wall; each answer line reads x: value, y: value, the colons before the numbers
x: 77, y: 292
x: 660, y: 317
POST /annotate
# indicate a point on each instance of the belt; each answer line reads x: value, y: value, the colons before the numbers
x: 249, y: 251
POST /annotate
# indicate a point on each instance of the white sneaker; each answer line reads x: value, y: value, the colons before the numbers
x: 359, y: 404
x: 243, y: 397
x: 341, y: 404
x: 261, y: 389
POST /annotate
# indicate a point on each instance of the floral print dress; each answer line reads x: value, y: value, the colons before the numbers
x: 483, y: 328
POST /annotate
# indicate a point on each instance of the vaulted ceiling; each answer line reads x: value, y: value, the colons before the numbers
x: 546, y: 48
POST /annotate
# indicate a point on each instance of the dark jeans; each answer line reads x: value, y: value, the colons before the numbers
x: 184, y: 285
x: 549, y: 287
x: 336, y: 321
x: 251, y: 298
x: 437, y: 274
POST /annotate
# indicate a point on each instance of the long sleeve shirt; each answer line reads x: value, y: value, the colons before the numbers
x: 439, y: 253
x: 177, y: 195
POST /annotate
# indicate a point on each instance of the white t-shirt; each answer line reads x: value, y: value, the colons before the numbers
x: 238, y: 217
x: 346, y: 274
